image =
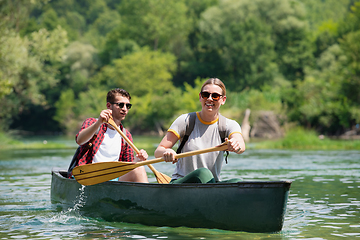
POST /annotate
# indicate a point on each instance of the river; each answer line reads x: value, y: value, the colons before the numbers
x: 324, y: 199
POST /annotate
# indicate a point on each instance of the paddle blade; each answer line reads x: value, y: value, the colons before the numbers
x: 95, y: 173
x: 160, y: 177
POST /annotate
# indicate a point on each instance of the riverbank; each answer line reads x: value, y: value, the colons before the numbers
x: 294, y: 139
x: 9, y: 142
x: 300, y: 139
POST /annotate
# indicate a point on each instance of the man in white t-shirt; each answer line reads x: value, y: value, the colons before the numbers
x: 107, y: 144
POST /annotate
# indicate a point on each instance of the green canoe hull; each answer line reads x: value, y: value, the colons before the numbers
x: 242, y: 206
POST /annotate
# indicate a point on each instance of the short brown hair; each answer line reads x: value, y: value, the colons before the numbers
x: 217, y: 82
x: 117, y: 91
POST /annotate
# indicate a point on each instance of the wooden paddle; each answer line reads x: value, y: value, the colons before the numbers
x: 95, y: 173
x: 160, y: 177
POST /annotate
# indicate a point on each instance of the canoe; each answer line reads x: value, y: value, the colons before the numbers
x: 251, y: 206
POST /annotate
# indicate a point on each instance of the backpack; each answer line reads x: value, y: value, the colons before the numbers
x: 75, y: 160
x: 190, y: 126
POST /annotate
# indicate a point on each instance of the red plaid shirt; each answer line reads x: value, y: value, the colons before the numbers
x: 126, y: 154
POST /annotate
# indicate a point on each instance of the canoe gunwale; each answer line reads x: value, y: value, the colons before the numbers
x: 243, y: 184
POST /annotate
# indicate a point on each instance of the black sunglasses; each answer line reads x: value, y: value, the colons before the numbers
x: 121, y: 105
x: 214, y: 96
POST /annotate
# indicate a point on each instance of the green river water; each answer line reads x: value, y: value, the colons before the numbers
x: 324, y: 199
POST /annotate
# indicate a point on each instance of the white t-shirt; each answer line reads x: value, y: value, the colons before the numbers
x: 110, y: 148
x: 204, y: 135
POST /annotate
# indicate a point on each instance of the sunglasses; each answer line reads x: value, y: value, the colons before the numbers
x: 214, y: 96
x: 121, y: 105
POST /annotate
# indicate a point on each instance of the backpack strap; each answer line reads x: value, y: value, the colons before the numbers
x: 222, y: 132
x: 189, y: 127
x: 222, y: 127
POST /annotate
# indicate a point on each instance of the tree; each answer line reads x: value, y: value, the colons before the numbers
x: 188, y: 54
x: 351, y: 72
x: 156, y: 23
x: 65, y: 107
x: 28, y: 67
x: 97, y: 33
x: 82, y: 62
x: 254, y: 40
x: 140, y: 73
x: 320, y: 101
x: 318, y: 12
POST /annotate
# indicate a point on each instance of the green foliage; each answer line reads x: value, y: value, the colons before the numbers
x: 50, y: 19
x: 96, y: 8
x: 316, y: 100
x: 115, y: 47
x: 97, y: 33
x: 82, y: 61
x: 153, y: 111
x: 13, y: 57
x: 318, y: 12
x: 351, y: 85
x: 293, y: 57
x: 71, y: 112
x: 140, y: 73
x: 156, y: 23
x: 9, y: 142
x: 90, y: 103
x: 256, y: 39
x: 190, y: 96
x: 65, y: 110
x: 298, y: 138
x: 28, y: 69
x: 328, y: 97
x: 326, y: 36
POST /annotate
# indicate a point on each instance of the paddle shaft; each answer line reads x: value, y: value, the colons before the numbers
x: 91, y: 174
x: 113, y: 124
x: 221, y: 147
x: 160, y: 177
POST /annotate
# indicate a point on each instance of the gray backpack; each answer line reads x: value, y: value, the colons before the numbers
x: 190, y: 127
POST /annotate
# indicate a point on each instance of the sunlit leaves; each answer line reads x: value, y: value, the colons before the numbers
x: 82, y: 61
x: 65, y: 111
x: 142, y: 72
x: 28, y: 68
x: 156, y: 23
x: 256, y: 39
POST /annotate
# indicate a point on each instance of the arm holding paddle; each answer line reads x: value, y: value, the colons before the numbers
x: 235, y: 144
x: 165, y: 148
x: 86, y: 134
x: 91, y: 174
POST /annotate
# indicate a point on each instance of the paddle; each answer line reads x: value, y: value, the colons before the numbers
x: 95, y: 173
x: 160, y: 177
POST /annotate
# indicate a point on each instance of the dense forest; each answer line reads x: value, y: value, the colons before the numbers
x: 297, y: 58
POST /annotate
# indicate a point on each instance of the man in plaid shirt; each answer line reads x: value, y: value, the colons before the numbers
x: 108, y: 145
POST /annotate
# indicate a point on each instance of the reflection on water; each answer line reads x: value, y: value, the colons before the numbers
x: 324, y: 200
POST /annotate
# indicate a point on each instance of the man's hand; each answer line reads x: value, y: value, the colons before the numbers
x: 141, y: 156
